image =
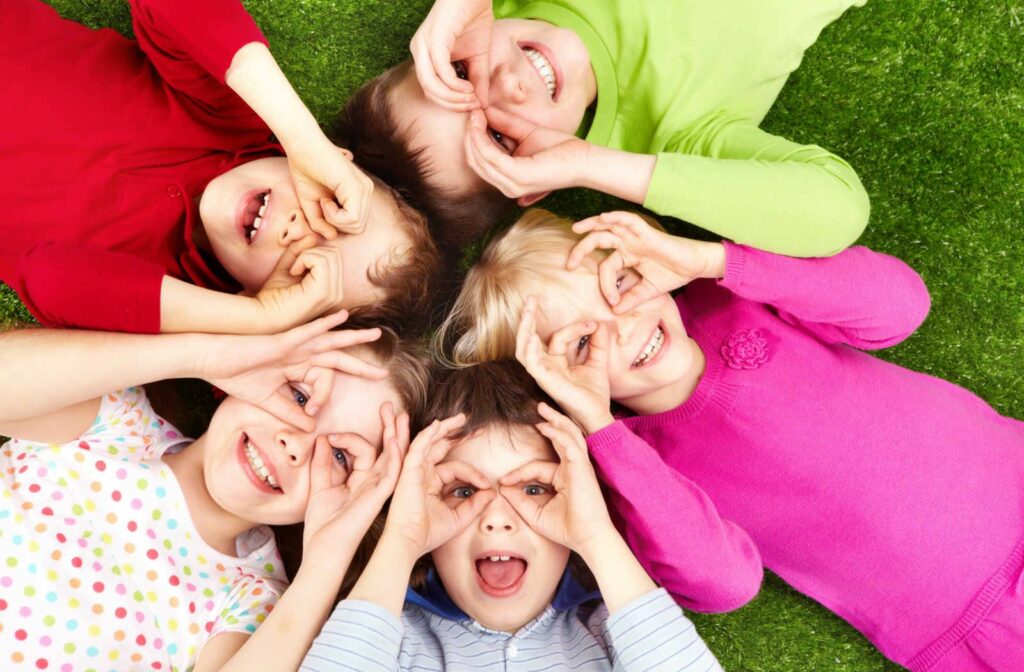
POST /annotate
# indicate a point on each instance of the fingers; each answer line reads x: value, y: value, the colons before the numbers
x: 321, y: 326
x: 457, y: 471
x: 339, y: 220
x: 595, y: 240
x: 635, y: 295
x: 479, y: 67
x: 566, y: 337
x: 433, y: 67
x: 599, y: 349
x: 538, y: 471
x: 350, y: 364
x: 321, y: 268
x: 320, y: 471
x: 469, y: 509
x: 361, y: 453
x: 426, y: 438
x: 512, y: 126
x: 321, y: 379
x: 344, y: 338
x: 284, y: 408
x: 491, y: 163
x: 564, y: 434
x: 527, y: 507
x: 527, y: 328
x: 608, y: 277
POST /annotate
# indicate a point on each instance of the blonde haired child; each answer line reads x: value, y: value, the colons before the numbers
x: 127, y: 545
x: 752, y: 429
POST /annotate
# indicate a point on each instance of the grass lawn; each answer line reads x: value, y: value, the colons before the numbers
x: 923, y: 98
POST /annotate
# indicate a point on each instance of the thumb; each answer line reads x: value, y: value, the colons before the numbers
x: 526, y: 506
x: 512, y: 126
x: 479, y: 68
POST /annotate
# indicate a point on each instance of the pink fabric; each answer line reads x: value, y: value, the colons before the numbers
x: 106, y: 150
x: 890, y: 496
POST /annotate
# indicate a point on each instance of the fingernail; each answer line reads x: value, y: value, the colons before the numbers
x: 311, y: 410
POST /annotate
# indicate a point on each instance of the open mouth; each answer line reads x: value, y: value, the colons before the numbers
x: 655, y: 344
x: 500, y: 573
x: 542, y: 63
x: 259, y: 471
x: 252, y: 215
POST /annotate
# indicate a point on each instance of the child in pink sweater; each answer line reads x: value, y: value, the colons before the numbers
x: 756, y: 432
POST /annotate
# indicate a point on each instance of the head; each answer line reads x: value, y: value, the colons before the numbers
x: 500, y: 403
x: 649, y: 349
x: 537, y: 71
x: 257, y: 468
x: 253, y: 221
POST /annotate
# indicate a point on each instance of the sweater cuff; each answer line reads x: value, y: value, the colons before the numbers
x: 358, y: 632
x: 735, y: 266
x: 610, y: 437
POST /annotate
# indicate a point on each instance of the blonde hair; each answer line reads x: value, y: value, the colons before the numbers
x: 482, y: 323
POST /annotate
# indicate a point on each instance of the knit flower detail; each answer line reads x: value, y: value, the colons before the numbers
x: 745, y: 349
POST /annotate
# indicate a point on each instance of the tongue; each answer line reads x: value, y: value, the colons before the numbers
x: 501, y: 574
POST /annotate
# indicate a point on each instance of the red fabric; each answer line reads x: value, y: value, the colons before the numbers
x: 106, y: 144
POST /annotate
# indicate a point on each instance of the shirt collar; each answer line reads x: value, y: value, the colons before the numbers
x: 434, y: 598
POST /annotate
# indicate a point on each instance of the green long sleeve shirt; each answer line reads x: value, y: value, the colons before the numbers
x: 690, y: 81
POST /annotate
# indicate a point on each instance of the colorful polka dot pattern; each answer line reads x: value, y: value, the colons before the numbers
x: 101, y: 567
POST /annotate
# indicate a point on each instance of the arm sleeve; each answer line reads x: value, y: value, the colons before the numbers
x: 650, y: 634
x: 760, y: 190
x: 358, y: 637
x: 707, y: 563
x: 859, y: 297
x: 72, y: 285
x: 191, y: 43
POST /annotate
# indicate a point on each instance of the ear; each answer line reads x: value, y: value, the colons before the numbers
x: 530, y: 199
x: 347, y: 154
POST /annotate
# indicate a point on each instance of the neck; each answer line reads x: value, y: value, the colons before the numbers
x: 671, y: 396
x: 218, y: 527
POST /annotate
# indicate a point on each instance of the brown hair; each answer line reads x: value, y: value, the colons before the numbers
x: 367, y: 127
x: 413, y: 279
x: 498, y: 393
x: 407, y: 366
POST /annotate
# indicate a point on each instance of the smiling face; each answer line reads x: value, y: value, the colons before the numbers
x: 539, y: 72
x: 499, y: 571
x: 257, y: 467
x: 251, y: 216
x: 650, y: 353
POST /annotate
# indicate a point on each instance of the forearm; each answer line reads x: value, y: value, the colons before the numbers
x: 386, y: 577
x: 188, y: 308
x: 625, y: 175
x: 258, y: 80
x: 620, y: 577
x: 282, y: 641
x: 48, y: 370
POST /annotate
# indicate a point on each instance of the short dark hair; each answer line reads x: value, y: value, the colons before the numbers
x: 414, y: 281
x: 495, y: 393
x: 368, y: 129
x: 407, y: 364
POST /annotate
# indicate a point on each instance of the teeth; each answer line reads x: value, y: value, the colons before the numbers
x: 259, y: 220
x: 263, y: 208
x: 500, y: 558
x: 260, y: 469
x: 543, y: 67
x: 506, y: 558
x: 652, y: 348
x: 495, y: 558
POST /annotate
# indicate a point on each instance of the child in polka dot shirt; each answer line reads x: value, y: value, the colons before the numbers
x: 124, y: 545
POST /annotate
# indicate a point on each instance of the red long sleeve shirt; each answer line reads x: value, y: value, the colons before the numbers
x: 106, y: 144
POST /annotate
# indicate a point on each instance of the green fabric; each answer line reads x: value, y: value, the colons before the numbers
x: 690, y: 81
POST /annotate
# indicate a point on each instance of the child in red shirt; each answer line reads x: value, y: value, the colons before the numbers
x: 143, y: 190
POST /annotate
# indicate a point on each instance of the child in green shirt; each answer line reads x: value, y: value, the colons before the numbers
x: 657, y: 103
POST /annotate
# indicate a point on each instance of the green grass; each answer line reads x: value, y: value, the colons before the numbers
x: 923, y: 98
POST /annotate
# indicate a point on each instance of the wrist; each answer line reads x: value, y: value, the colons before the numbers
x: 399, y: 548
x: 592, y: 550
x: 625, y: 175
x: 595, y: 422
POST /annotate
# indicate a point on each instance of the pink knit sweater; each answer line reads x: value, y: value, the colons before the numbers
x: 892, y: 497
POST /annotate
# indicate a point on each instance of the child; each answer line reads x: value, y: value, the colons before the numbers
x: 754, y: 430
x: 127, y: 545
x: 501, y: 495
x: 144, y: 190
x: 668, y: 96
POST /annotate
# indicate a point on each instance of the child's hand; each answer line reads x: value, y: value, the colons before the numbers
x: 324, y: 178
x: 454, y: 30
x: 663, y: 262
x: 255, y: 368
x: 305, y: 285
x: 580, y: 387
x: 338, y: 514
x: 542, y: 160
x: 572, y: 512
x: 420, y: 519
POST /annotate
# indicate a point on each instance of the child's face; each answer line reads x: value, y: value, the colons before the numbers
x: 649, y: 349
x: 525, y: 55
x: 232, y: 202
x: 505, y: 594
x: 242, y: 437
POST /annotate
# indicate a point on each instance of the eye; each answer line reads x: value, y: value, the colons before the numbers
x: 460, y: 69
x: 298, y: 395
x: 463, y: 492
x: 499, y: 139
x: 340, y: 457
x: 582, y: 344
x: 535, y: 489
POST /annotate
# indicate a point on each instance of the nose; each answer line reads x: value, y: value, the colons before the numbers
x: 296, y: 446
x: 508, y: 84
x: 295, y: 228
x: 625, y: 326
x: 499, y: 517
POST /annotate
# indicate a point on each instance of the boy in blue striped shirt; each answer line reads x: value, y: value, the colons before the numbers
x: 504, y: 499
